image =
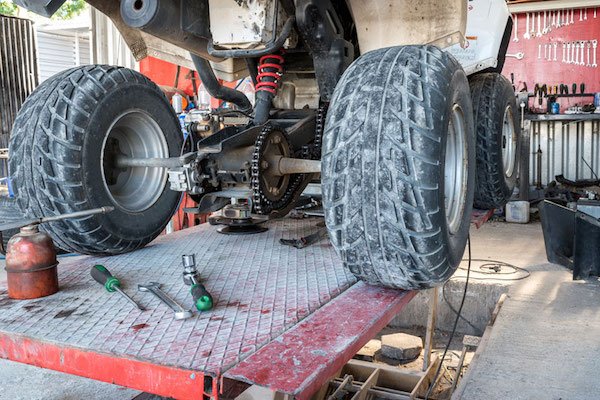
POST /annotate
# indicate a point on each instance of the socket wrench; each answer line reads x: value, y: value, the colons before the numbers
x: 154, y: 288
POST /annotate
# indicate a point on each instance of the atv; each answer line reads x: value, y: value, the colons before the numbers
x: 404, y: 121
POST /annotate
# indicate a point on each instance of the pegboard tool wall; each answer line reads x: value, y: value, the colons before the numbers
x: 532, y: 70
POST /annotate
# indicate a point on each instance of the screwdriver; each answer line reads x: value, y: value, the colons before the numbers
x: 111, y: 284
x: 202, y: 299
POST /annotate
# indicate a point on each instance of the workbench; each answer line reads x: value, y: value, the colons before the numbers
x: 284, y: 318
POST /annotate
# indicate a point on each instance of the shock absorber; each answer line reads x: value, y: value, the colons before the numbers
x: 270, y: 70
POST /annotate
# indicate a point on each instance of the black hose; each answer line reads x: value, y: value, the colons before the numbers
x: 216, y: 90
x: 262, y: 108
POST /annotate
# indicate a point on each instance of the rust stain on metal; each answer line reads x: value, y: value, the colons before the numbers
x: 31, y: 265
x: 65, y: 313
x: 139, y: 326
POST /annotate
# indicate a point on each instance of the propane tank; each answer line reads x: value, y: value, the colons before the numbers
x: 31, y: 264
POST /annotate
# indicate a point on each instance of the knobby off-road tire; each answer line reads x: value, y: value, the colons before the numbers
x: 62, y: 148
x: 9, y: 211
x: 398, y: 166
x: 498, y: 133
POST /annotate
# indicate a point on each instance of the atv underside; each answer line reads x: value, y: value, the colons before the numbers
x: 388, y: 133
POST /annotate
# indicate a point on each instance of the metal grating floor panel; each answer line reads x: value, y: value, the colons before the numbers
x: 262, y: 289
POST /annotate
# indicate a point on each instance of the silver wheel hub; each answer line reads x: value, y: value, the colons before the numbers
x: 509, y: 143
x: 134, y: 134
x: 455, y: 170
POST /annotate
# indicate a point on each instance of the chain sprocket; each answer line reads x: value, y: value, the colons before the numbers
x: 266, y: 198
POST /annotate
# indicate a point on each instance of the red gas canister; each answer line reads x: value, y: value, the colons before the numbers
x: 31, y: 264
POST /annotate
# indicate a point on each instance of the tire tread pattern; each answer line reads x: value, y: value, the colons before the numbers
x: 381, y: 166
x: 46, y: 155
x: 490, y: 93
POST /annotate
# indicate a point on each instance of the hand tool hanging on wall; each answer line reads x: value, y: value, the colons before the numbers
x: 572, y: 15
x: 516, y: 28
x: 519, y: 56
x: 574, y: 88
x: 526, y: 35
x: 111, y: 283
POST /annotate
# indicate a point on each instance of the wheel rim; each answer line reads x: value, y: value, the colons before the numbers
x: 509, y: 144
x: 134, y: 134
x: 455, y: 169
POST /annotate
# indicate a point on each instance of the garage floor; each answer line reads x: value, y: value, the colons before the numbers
x: 540, y: 301
x: 544, y: 343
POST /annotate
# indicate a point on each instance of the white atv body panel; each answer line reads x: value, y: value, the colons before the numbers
x: 486, y: 23
x: 471, y: 30
x: 387, y: 23
x: 244, y: 24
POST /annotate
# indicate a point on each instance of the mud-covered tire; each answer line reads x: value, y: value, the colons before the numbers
x: 384, y: 166
x: 58, y: 146
x: 498, y: 132
x: 9, y: 211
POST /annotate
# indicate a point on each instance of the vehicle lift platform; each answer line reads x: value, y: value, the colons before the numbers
x: 284, y: 318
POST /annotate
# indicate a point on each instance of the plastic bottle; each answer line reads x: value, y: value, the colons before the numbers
x: 177, y: 103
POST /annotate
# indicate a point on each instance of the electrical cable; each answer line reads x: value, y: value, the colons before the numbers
x: 492, y: 265
x: 475, y: 329
x: 494, y: 268
x: 462, y: 303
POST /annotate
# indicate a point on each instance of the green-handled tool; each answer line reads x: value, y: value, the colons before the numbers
x: 111, y: 283
x: 202, y: 299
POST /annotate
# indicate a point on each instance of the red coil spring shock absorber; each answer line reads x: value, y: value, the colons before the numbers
x: 270, y: 69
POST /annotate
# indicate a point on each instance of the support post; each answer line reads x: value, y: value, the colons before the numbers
x: 433, y: 303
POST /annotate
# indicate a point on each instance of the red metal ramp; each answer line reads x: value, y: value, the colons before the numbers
x: 284, y: 318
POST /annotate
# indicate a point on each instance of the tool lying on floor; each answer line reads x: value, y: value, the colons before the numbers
x: 154, y: 288
x: 202, y: 299
x: 306, y: 240
x: 36, y: 221
x: 111, y: 283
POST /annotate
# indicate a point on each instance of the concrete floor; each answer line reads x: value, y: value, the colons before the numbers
x: 521, y: 245
x: 544, y: 343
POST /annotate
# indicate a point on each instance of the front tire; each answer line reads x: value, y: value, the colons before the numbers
x: 398, y: 167
x: 63, y: 146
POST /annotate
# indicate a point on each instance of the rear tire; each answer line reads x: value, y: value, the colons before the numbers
x: 498, y: 132
x: 61, y: 147
x: 9, y: 211
x: 398, y: 166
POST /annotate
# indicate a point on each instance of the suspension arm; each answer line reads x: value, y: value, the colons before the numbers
x: 172, y: 162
